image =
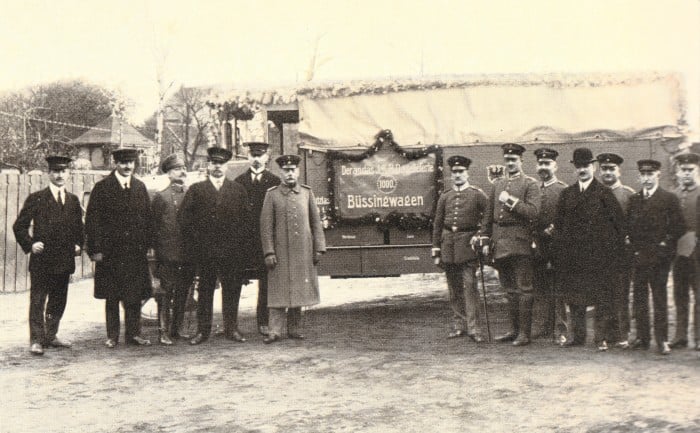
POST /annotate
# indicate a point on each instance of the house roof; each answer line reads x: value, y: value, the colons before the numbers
x: 114, y: 131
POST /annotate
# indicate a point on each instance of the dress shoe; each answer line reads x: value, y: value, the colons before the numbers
x: 138, y: 341
x: 456, y: 334
x: 57, y: 342
x: 665, y: 348
x: 571, y: 343
x: 561, y: 340
x: 165, y: 340
x: 236, y: 336
x: 271, y: 338
x: 521, y: 340
x: 296, y: 336
x: 36, y: 349
x: 111, y: 343
x: 506, y: 338
x: 264, y: 330
x: 603, y: 346
x: 198, y: 339
x: 476, y: 338
x: 218, y: 331
x: 679, y: 344
x: 624, y: 344
x: 639, y: 345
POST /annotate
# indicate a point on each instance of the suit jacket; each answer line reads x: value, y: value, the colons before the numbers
x: 60, y: 228
x: 588, y: 242
x: 119, y: 225
x: 214, y: 223
x: 256, y: 196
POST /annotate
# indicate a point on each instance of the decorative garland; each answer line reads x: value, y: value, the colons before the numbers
x: 403, y: 221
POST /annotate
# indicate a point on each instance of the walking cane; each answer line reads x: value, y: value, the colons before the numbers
x: 480, y: 257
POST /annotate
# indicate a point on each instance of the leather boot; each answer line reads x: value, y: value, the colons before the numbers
x: 513, y: 317
x: 163, y: 324
x: 525, y: 318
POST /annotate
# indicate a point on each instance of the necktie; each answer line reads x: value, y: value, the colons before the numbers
x: 60, y: 199
x: 126, y: 185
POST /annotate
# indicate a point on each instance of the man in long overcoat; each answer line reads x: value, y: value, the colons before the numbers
x: 119, y: 232
x: 589, y: 239
x: 213, y: 218
x: 293, y: 242
x: 53, y: 243
x: 257, y: 180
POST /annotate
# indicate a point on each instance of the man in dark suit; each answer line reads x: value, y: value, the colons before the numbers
x: 458, y: 213
x: 119, y: 233
x: 214, y: 217
x: 55, y: 240
x: 655, y: 223
x: 588, y: 241
x: 513, y: 205
x: 257, y: 180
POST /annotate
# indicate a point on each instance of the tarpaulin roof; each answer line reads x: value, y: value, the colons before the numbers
x: 115, y: 131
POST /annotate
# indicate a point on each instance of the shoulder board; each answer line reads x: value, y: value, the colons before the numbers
x: 529, y: 178
x: 304, y: 186
x: 561, y: 183
x: 272, y: 187
x: 627, y: 188
x: 474, y: 187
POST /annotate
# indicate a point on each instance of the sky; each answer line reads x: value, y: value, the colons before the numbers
x: 122, y: 44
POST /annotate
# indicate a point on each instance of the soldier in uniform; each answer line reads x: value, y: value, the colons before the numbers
x: 257, y: 180
x: 213, y: 218
x: 685, y: 273
x: 293, y: 242
x: 609, y: 164
x: 549, y: 311
x: 655, y: 223
x: 174, y: 268
x: 458, y: 213
x: 119, y: 233
x: 54, y: 241
x: 513, y: 206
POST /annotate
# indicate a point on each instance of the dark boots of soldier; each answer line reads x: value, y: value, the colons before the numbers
x: 514, y: 320
x: 164, y: 323
x: 525, y: 317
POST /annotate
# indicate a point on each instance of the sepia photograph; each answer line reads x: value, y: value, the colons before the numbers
x: 349, y: 216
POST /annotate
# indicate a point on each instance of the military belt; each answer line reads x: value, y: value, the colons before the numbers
x: 455, y: 229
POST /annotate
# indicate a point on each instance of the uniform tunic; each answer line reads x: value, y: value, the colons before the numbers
x: 685, y: 269
x: 457, y: 218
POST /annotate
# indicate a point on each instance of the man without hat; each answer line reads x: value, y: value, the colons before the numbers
x: 292, y: 242
x: 685, y: 272
x: 654, y: 223
x: 549, y: 311
x: 119, y: 233
x: 174, y: 268
x: 609, y: 164
x: 213, y: 218
x: 513, y: 205
x: 53, y: 242
x: 458, y: 213
x: 588, y: 240
x: 257, y: 180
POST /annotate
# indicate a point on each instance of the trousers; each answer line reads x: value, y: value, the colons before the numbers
x: 47, y: 302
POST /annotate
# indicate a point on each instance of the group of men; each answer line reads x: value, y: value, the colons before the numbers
x: 211, y: 230
x: 556, y: 245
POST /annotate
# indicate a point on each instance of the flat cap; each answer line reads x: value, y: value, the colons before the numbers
x: 582, y: 156
x: 512, y: 149
x: 219, y: 154
x: 288, y: 160
x: 546, y: 153
x: 646, y: 165
x: 609, y: 158
x: 459, y: 161
x: 688, y: 158
x: 171, y: 161
x: 125, y: 155
x: 58, y: 162
x: 257, y: 147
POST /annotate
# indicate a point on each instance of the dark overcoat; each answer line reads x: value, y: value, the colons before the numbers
x: 214, y: 223
x: 59, y: 227
x: 291, y: 229
x: 255, y: 261
x: 118, y: 224
x: 588, y: 242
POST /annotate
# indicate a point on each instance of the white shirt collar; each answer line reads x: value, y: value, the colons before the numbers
x: 217, y: 182
x: 260, y: 170
x: 585, y: 185
x: 55, y: 189
x: 651, y: 191
x: 123, y: 180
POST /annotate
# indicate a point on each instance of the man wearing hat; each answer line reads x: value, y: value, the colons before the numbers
x: 458, y: 213
x: 257, y: 180
x: 609, y: 164
x: 588, y: 240
x: 513, y: 205
x: 53, y: 242
x: 174, y: 267
x: 549, y: 311
x: 685, y: 273
x: 292, y: 242
x: 119, y: 233
x: 655, y: 223
x: 213, y: 218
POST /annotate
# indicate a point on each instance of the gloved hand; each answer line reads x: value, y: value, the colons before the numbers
x: 271, y: 261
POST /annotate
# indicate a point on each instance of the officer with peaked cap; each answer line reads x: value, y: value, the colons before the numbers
x: 549, y: 311
x: 119, y: 231
x: 293, y: 242
x: 458, y: 213
x: 257, y: 180
x: 685, y: 271
x: 654, y: 224
x: 213, y: 218
x: 53, y: 242
x: 513, y: 205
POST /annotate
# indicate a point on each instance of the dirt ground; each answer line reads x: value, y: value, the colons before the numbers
x: 375, y: 360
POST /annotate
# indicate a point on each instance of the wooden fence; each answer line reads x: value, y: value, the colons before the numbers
x: 14, y: 189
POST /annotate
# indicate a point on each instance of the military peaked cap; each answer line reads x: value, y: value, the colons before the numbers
x: 512, y: 149
x: 646, y: 165
x: 219, y: 154
x: 57, y: 162
x: 688, y: 158
x: 170, y: 162
x: 459, y: 161
x: 288, y: 160
x: 609, y: 158
x: 545, y: 153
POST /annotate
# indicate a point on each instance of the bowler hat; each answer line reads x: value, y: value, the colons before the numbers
x: 609, y: 158
x: 459, y: 161
x: 171, y: 161
x: 545, y: 153
x: 57, y: 162
x: 219, y: 154
x: 125, y: 155
x: 257, y: 147
x: 512, y: 149
x: 288, y: 160
x: 688, y: 158
x: 647, y: 165
x: 582, y: 156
